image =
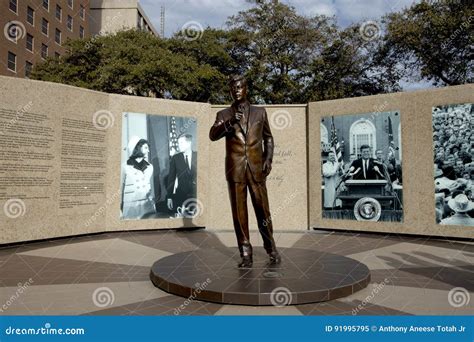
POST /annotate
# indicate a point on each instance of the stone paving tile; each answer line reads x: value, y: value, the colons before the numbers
x: 424, y: 272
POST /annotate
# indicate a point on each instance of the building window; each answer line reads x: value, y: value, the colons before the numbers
x: 44, y: 26
x: 28, y: 68
x: 139, y: 21
x: 362, y: 132
x: 44, y: 51
x: 81, y: 32
x: 14, y: 5
x: 30, y: 16
x: 57, y: 37
x: 70, y: 3
x: 11, y: 61
x: 59, y: 12
x: 82, y: 12
x: 324, y: 138
x: 69, y: 23
x: 29, y: 42
x: 46, y: 4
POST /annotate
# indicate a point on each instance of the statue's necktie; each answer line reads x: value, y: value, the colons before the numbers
x: 244, y: 120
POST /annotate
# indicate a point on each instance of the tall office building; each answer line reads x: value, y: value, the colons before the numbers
x: 108, y: 16
x: 36, y: 29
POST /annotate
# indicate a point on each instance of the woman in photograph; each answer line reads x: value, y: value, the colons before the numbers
x: 137, y: 199
x: 331, y: 174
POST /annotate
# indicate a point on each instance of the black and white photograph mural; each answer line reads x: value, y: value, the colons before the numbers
x: 159, y: 166
x: 453, y: 150
x: 361, y: 159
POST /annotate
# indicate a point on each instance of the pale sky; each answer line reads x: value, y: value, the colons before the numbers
x: 215, y: 12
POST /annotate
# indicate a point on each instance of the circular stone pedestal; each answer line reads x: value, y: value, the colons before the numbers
x: 304, y: 276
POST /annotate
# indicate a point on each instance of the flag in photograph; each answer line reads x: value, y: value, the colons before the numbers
x: 391, y: 143
x: 335, y: 146
x: 173, y: 137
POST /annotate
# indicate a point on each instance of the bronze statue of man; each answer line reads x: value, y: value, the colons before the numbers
x: 248, y: 162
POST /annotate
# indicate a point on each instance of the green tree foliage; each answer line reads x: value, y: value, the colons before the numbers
x: 350, y: 66
x: 282, y: 45
x: 433, y: 40
x: 130, y: 62
x: 214, y: 50
x: 295, y: 58
x: 287, y: 57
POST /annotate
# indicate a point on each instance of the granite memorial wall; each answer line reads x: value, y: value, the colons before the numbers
x: 64, y: 150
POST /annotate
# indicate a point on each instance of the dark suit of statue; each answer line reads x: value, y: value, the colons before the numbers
x: 244, y: 144
x: 249, y: 154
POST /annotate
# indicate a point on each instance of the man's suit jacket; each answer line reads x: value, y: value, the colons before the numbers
x: 369, y: 172
x: 252, y: 146
x: 186, y: 177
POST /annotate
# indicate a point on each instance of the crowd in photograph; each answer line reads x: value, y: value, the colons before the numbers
x: 453, y: 144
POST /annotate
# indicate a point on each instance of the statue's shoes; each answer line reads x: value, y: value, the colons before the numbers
x: 246, y: 262
x: 275, y: 258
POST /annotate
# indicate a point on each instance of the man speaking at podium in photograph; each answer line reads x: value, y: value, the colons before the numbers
x: 368, y: 168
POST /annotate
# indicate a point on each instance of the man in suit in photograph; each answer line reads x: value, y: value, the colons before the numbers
x: 368, y: 168
x: 182, y: 175
x: 248, y: 162
x: 379, y: 156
